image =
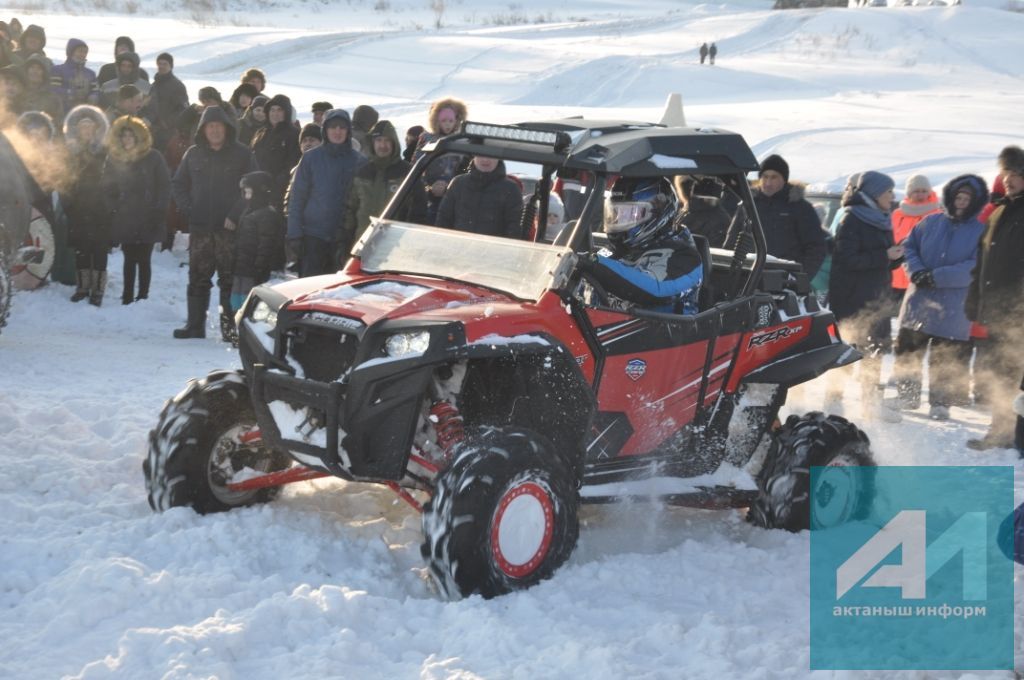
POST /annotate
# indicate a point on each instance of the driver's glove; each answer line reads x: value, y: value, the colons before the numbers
x: 587, y: 262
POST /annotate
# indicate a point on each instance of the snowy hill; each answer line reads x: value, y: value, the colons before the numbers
x: 327, y: 581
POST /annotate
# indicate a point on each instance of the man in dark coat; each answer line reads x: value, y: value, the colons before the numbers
x: 109, y: 71
x: 996, y: 299
x: 712, y: 53
x: 703, y: 52
x: 167, y: 99
x: 318, y: 196
x: 377, y: 182
x: 482, y: 201
x: 791, y: 225
x: 206, y: 187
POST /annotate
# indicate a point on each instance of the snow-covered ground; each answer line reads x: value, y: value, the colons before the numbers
x: 327, y: 581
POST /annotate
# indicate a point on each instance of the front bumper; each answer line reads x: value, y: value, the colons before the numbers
x: 323, y: 392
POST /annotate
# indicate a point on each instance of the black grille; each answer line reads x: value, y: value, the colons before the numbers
x: 324, y: 354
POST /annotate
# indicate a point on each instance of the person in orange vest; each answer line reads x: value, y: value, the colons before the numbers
x: 919, y: 202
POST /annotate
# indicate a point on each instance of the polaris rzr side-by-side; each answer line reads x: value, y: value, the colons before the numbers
x: 495, y: 385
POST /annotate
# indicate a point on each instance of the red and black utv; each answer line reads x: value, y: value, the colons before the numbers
x: 495, y: 386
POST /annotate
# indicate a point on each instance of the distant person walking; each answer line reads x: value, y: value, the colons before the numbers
x: 712, y: 51
x: 703, y: 52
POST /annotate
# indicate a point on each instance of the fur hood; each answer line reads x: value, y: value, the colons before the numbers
x: 979, y: 196
x: 456, y: 105
x: 143, y: 138
x: 75, y: 116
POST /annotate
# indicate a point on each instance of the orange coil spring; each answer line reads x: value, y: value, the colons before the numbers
x: 447, y: 426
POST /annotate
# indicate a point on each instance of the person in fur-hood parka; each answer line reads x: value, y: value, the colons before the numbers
x: 37, y: 95
x: 445, y: 117
x: 85, y: 129
x: 137, y: 187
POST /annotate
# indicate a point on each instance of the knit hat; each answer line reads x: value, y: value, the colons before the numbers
x: 321, y: 106
x: 777, y: 163
x: 874, y: 184
x: 166, y: 56
x: 126, y: 41
x: 915, y: 182
x: 311, y: 130
x: 1011, y: 159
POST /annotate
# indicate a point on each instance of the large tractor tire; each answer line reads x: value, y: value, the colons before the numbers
x: 843, y: 494
x: 195, y: 448
x: 503, y: 516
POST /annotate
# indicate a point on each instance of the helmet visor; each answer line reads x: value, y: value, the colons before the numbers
x: 620, y: 216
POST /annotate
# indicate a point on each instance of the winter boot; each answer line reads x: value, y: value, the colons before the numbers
x: 195, y: 327
x: 99, y: 286
x: 83, y: 278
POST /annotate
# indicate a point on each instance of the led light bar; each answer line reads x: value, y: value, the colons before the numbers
x: 515, y: 134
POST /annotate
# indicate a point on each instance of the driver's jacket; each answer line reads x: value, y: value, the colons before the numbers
x: 664, y: 277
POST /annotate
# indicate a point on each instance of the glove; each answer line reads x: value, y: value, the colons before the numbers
x: 295, y: 245
x: 923, y: 278
x: 587, y: 263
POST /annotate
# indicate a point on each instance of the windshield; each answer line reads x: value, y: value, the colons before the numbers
x: 520, y: 268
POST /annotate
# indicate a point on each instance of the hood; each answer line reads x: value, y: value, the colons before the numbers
x: 364, y: 117
x: 144, y: 140
x: 35, y: 30
x: 371, y: 298
x: 215, y: 114
x: 384, y: 128
x: 246, y: 89
x: 42, y: 61
x: 71, y: 126
x: 123, y: 40
x: 342, y: 115
x: 73, y: 44
x: 979, y: 196
x: 262, y: 184
x: 285, y: 103
x: 133, y: 59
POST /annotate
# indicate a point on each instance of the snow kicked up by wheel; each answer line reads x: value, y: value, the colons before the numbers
x: 843, y: 493
x: 195, y: 449
x: 503, y: 516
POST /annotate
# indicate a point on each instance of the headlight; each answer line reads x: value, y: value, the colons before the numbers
x: 262, y: 313
x: 407, y: 344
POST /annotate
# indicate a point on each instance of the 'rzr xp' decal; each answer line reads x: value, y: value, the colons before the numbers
x: 770, y: 336
x: 635, y: 369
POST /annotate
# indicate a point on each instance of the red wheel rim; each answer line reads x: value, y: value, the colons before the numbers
x: 522, y: 528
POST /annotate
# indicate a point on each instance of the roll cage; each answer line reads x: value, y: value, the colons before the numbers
x: 595, y: 152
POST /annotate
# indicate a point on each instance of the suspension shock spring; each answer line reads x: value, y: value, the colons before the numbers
x: 448, y: 427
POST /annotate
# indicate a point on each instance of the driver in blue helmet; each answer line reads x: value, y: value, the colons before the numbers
x: 654, y: 262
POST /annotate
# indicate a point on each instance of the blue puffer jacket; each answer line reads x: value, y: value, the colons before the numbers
x: 948, y: 247
x: 320, y: 186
